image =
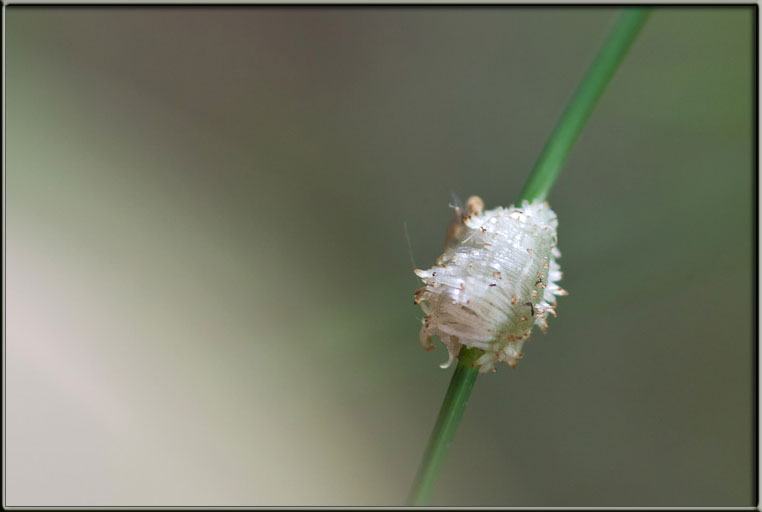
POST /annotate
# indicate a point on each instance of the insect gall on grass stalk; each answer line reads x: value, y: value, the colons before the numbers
x: 471, y: 359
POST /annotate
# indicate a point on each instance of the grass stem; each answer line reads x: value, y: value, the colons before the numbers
x: 444, y: 430
x: 569, y: 126
x: 541, y: 179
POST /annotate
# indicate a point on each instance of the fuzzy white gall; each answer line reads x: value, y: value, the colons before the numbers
x: 494, y: 283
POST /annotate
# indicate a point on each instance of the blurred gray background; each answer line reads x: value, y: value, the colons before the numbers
x: 209, y: 291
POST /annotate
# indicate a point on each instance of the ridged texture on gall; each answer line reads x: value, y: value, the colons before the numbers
x: 494, y: 283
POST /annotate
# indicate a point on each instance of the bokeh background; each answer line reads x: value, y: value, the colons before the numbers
x: 209, y: 290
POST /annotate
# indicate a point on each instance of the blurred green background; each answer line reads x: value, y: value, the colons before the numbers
x: 209, y: 291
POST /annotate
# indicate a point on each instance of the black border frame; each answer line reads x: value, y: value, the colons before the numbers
x: 754, y: 192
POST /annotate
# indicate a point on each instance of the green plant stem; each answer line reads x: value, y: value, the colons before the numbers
x: 551, y: 160
x: 540, y: 181
x: 447, y: 423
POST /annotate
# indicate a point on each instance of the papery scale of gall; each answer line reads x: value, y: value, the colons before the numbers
x: 495, y: 281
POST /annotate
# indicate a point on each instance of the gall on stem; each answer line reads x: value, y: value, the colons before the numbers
x: 496, y: 280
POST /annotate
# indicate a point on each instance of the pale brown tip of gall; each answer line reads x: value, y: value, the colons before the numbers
x: 474, y: 205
